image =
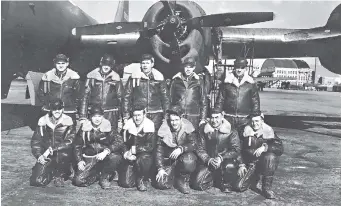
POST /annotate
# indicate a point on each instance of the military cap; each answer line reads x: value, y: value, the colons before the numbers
x: 240, y: 62
x: 96, y: 109
x: 60, y: 58
x: 56, y: 104
x: 189, y: 61
x: 107, y: 60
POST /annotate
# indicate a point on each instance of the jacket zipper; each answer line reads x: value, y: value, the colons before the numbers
x: 186, y: 87
x: 237, y: 100
x: 148, y: 95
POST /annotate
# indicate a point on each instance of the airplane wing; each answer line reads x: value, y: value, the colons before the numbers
x: 266, y: 79
x: 311, y: 34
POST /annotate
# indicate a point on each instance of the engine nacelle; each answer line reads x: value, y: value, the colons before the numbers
x: 193, y: 42
x: 332, y: 63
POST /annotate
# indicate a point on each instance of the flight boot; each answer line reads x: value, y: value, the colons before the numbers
x: 104, y: 181
x: 141, y: 184
x: 182, y: 183
x: 266, y: 187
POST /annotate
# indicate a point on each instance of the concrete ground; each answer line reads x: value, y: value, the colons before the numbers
x: 309, y: 172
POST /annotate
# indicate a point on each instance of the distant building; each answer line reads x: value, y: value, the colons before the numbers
x: 298, y: 72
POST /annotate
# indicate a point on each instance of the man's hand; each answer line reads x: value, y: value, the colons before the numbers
x: 42, y: 159
x: 82, y: 120
x: 259, y: 151
x: 161, y: 175
x: 102, y: 155
x: 215, y: 162
x: 48, y: 152
x: 202, y: 122
x: 242, y: 170
x: 175, y: 154
x: 127, y: 155
x: 81, y: 165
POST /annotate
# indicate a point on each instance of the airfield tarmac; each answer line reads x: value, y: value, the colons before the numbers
x: 309, y: 172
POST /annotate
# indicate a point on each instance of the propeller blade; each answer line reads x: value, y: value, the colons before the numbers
x: 230, y: 19
x: 168, y: 7
x: 175, y: 57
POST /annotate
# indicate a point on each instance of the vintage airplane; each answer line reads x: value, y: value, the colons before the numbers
x: 33, y: 32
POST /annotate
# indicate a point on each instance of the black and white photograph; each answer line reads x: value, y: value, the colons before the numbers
x: 149, y: 102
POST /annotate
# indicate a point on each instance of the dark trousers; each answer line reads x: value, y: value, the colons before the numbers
x: 57, y: 166
x: 94, y: 168
x: 157, y: 119
x: 206, y: 176
x: 113, y: 117
x: 266, y: 165
x: 130, y: 171
x: 184, y: 165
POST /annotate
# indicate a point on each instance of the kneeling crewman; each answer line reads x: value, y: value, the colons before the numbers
x: 174, y: 152
x: 261, y: 149
x: 138, y: 135
x: 218, y: 150
x: 52, y: 146
x: 97, y: 150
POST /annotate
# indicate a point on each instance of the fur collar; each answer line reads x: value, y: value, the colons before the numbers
x: 105, y: 126
x: 179, y: 75
x: 166, y: 134
x: 138, y: 74
x: 266, y: 131
x: 224, y: 128
x: 95, y: 74
x: 51, y: 76
x: 65, y: 120
x: 230, y: 78
x: 147, y: 127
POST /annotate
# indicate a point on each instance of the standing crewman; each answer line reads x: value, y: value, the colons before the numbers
x: 174, y: 153
x: 148, y: 85
x: 52, y: 146
x: 98, y: 150
x: 218, y: 150
x: 187, y: 90
x: 103, y: 87
x: 261, y: 149
x: 60, y: 82
x: 238, y: 95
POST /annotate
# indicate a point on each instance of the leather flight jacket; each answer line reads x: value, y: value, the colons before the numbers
x: 91, y: 141
x: 98, y: 90
x: 65, y: 88
x: 189, y: 94
x: 238, y: 98
x: 168, y: 140
x: 151, y: 89
x: 136, y: 140
x: 252, y: 140
x: 222, y: 142
x: 59, y: 136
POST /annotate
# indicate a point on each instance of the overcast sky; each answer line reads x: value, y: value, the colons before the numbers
x: 288, y: 14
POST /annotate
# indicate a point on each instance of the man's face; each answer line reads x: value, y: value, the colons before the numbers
x: 146, y: 66
x: 138, y: 117
x: 188, y: 69
x: 96, y: 119
x: 57, y: 113
x: 61, y: 66
x: 256, y: 123
x: 175, y: 122
x: 239, y: 71
x: 216, y: 120
x: 105, y: 69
